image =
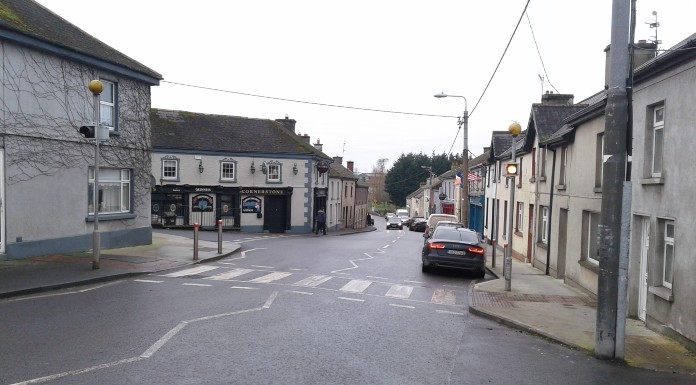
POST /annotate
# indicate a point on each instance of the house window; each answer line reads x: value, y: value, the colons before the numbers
x: 544, y: 225
x: 667, y: 251
x: 500, y: 165
x: 562, y: 168
x: 114, y: 194
x: 273, y: 173
x: 657, y: 140
x: 107, y: 105
x: 542, y: 163
x: 590, y: 229
x: 520, y: 217
x: 228, y: 170
x: 170, y: 168
x: 533, y: 162
x: 599, y: 160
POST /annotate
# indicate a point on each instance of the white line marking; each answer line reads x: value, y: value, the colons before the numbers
x: 384, y: 247
x: 356, y: 286
x: 147, y: 281
x: 244, y: 254
x: 300, y: 292
x: 352, y: 262
x: 351, y: 299
x: 229, y: 274
x: 373, y: 277
x: 314, y: 280
x: 298, y: 269
x: 403, y: 306
x: 263, y: 267
x: 418, y: 282
x: 227, y: 263
x: 271, y: 277
x: 399, y: 291
x: 196, y: 284
x: 448, y: 312
x: 244, y: 287
x: 191, y: 271
x: 444, y: 297
x: 270, y: 300
x: 157, y: 345
x: 78, y: 371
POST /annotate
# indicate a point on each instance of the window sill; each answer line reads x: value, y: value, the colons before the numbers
x: 662, y: 292
x: 598, y: 190
x: 652, y: 181
x: 111, y: 217
x: 560, y: 187
x: 542, y: 245
x: 519, y: 233
x: 589, y: 266
x: 542, y: 179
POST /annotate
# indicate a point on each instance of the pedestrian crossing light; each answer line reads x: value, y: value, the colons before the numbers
x: 511, y: 170
x: 87, y: 131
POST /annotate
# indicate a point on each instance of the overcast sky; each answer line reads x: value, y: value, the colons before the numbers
x: 384, y: 55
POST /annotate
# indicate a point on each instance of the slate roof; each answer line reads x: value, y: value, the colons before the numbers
x: 29, y: 23
x: 500, y: 141
x: 337, y: 170
x: 549, y: 118
x: 480, y: 160
x: 191, y: 131
x: 674, y: 56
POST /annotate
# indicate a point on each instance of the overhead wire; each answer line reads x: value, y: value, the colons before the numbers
x: 539, y: 53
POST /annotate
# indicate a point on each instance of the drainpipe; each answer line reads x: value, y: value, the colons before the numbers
x: 548, y: 228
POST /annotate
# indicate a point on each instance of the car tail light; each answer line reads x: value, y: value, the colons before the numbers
x: 436, y: 246
x: 476, y: 250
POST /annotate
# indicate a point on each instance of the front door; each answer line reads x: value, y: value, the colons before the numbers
x: 643, y: 289
x: 276, y: 213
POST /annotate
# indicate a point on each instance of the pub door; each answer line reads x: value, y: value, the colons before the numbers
x: 275, y: 213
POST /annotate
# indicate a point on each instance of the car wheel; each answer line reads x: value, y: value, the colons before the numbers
x: 425, y: 269
x: 481, y: 274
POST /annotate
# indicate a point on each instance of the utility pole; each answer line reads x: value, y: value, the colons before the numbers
x: 614, y: 174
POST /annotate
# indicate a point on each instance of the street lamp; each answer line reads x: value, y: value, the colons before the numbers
x: 512, y: 170
x: 463, y: 122
x: 96, y: 87
x: 430, y: 188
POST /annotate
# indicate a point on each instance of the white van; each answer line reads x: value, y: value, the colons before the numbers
x: 434, y: 218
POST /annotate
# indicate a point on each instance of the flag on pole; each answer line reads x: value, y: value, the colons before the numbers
x: 474, y: 178
x: 457, y: 180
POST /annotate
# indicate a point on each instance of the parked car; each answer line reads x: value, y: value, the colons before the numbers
x: 449, y: 224
x: 388, y: 215
x: 394, y: 223
x: 418, y: 224
x: 434, y: 218
x: 454, y: 247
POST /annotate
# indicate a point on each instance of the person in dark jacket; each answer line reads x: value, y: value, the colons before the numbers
x: 321, y: 221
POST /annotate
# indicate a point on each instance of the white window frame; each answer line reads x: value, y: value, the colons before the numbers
x: 226, y: 175
x: 520, y: 217
x: 107, y: 186
x: 658, y: 126
x: 273, y: 175
x: 167, y: 169
x: 590, y: 231
x: 107, y: 105
x: 544, y: 233
x: 667, y: 243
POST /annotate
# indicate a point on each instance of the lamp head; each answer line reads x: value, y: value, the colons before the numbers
x: 441, y: 95
x: 96, y: 87
x: 514, y: 129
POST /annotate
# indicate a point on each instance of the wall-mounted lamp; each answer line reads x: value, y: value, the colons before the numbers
x: 200, y: 166
x: 264, y: 168
x: 252, y: 169
x: 294, y: 169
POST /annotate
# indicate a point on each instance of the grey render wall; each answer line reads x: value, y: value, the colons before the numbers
x: 673, y: 198
x: 45, y: 101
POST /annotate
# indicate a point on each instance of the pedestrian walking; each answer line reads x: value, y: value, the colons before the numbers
x: 321, y: 221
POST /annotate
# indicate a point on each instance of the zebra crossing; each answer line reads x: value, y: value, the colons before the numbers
x: 441, y: 296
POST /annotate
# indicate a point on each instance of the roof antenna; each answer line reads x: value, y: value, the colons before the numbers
x: 344, y: 149
x: 655, y: 24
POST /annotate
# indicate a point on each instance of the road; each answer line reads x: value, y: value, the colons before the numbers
x: 307, y: 309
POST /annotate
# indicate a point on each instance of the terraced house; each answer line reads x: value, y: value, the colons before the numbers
x: 47, y: 170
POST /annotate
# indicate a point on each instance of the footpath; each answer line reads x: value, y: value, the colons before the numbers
x: 547, y: 307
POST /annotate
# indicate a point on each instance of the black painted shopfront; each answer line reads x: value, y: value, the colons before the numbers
x: 184, y: 205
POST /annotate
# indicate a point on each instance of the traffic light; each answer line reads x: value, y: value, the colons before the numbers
x: 87, y: 131
x: 511, y: 170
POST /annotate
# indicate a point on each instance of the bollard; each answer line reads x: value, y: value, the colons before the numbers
x: 195, y: 241
x: 219, y: 236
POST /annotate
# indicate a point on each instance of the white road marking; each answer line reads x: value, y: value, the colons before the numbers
x: 229, y: 274
x: 356, y: 286
x: 270, y: 300
x: 448, y: 312
x: 444, y: 297
x: 191, y: 271
x: 197, y: 284
x: 271, y: 277
x: 263, y: 267
x: 147, y: 281
x: 373, y: 277
x: 384, y: 247
x: 244, y: 287
x: 65, y: 293
x: 352, y: 299
x: 418, y: 282
x: 297, y: 269
x: 399, y: 291
x: 314, y: 280
x: 457, y: 286
x: 78, y: 371
x: 352, y: 262
x: 403, y: 306
x: 244, y: 254
x: 165, y: 338
x: 227, y: 263
x: 300, y: 292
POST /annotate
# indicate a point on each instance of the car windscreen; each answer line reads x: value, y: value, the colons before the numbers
x: 449, y: 234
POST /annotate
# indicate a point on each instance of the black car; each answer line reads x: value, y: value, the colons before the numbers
x: 394, y: 223
x: 418, y: 224
x: 456, y: 248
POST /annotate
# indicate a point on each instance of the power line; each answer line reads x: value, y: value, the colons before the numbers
x: 307, y: 102
x: 539, y: 53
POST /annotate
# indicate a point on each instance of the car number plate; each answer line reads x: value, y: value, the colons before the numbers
x: 456, y: 252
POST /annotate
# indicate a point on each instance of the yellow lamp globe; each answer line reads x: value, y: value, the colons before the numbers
x: 96, y: 87
x: 514, y: 129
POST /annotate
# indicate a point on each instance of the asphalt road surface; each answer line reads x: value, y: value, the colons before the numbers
x: 353, y: 309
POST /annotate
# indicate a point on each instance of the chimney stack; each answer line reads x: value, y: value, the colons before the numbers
x: 288, y: 123
x: 549, y: 98
x: 338, y: 159
x: 305, y: 137
x: 350, y: 165
x: 318, y: 145
x: 642, y: 53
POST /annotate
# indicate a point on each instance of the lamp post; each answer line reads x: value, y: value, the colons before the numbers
x: 514, y: 129
x: 464, y: 123
x: 96, y: 87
